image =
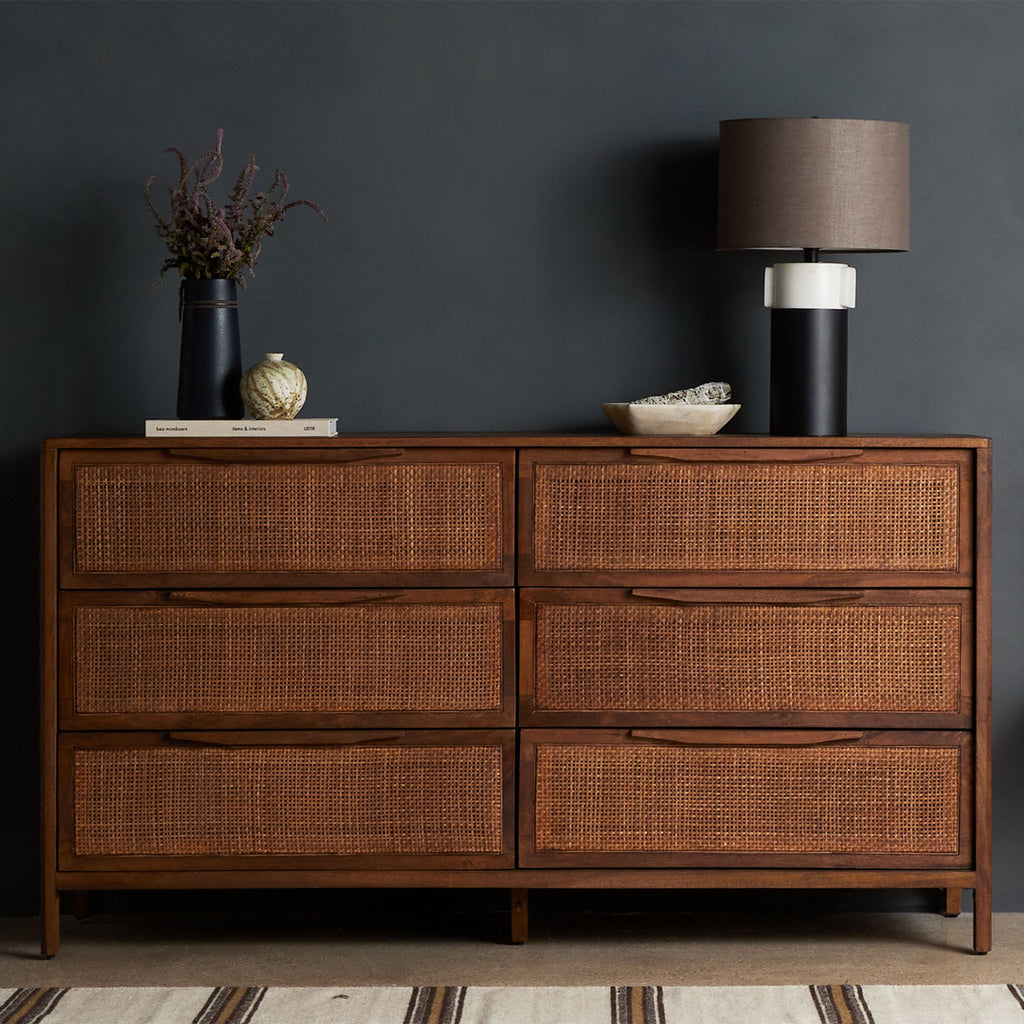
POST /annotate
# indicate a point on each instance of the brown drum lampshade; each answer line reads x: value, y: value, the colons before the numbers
x: 814, y: 183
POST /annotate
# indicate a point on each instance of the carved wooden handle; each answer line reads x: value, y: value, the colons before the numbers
x: 295, y: 599
x: 747, y: 738
x: 791, y: 598
x: 748, y: 454
x: 282, y: 738
x: 293, y: 455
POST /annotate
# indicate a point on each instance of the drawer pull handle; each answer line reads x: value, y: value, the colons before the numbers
x: 756, y: 738
x: 812, y: 598
x: 281, y: 739
x: 747, y: 455
x: 338, y: 597
x: 293, y: 455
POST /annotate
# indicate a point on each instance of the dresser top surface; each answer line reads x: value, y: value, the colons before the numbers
x: 528, y: 440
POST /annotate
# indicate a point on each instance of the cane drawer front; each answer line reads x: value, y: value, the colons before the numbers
x: 687, y: 516
x: 895, y: 658
x: 292, y: 659
x: 317, y: 799
x: 361, y: 517
x: 718, y: 797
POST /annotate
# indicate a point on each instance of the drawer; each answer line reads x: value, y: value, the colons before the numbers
x: 329, y: 517
x: 293, y: 659
x: 286, y: 800
x: 868, y: 658
x: 728, y: 798
x: 785, y: 517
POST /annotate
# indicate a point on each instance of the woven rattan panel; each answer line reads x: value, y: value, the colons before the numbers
x: 747, y: 657
x: 746, y: 516
x: 142, y: 517
x: 871, y: 800
x: 376, y: 657
x: 300, y: 800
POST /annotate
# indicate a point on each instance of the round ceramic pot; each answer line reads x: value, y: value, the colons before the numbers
x: 273, y: 389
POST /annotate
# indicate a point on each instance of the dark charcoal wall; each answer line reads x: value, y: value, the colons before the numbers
x: 522, y: 202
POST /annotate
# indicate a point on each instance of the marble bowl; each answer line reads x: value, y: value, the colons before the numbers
x: 677, y: 418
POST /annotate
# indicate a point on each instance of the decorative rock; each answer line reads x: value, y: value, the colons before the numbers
x: 273, y: 389
x: 712, y: 393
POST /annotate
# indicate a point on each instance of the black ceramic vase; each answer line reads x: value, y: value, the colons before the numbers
x: 211, y: 356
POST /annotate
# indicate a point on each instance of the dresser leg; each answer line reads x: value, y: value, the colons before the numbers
x: 983, y: 919
x: 50, y: 922
x: 519, y: 900
x: 953, y: 902
x: 80, y: 904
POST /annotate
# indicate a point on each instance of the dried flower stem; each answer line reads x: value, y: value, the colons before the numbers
x: 207, y: 241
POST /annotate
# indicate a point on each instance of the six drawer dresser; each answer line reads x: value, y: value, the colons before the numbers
x: 516, y: 662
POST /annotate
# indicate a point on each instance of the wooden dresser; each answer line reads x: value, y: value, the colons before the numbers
x: 516, y: 662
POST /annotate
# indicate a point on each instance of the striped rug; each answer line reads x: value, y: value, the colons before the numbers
x: 791, y: 1004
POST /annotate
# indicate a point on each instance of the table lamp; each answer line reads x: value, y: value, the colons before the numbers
x: 816, y: 185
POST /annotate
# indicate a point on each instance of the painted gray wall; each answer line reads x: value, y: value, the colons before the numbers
x: 522, y: 202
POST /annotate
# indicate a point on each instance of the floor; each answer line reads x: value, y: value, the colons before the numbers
x: 579, y: 939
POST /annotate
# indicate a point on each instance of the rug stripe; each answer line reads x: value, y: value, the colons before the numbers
x: 854, y: 996
x: 618, y: 1017
x: 659, y: 1004
x: 637, y: 1004
x: 247, y: 1005
x: 27, y: 1005
x: 1017, y: 991
x: 436, y: 1005
x: 230, y: 1006
x: 841, y: 1004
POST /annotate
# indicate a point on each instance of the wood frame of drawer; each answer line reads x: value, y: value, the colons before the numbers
x: 69, y: 861
x: 72, y: 577
x: 503, y: 716
x: 530, y: 715
x: 975, y: 454
x: 531, y: 576
x: 531, y: 857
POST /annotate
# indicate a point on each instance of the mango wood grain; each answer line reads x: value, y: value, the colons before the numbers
x: 49, y: 899
x: 533, y: 814
x: 965, y: 584
x: 256, y: 650
x: 593, y: 651
x: 425, y: 518
x: 530, y: 878
x: 547, y: 558
x: 983, y: 703
x: 455, y: 439
x: 136, y: 801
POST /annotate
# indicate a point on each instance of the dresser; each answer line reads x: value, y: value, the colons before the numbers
x: 516, y: 662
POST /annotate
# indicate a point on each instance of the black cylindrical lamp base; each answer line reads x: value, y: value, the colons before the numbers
x: 808, y: 372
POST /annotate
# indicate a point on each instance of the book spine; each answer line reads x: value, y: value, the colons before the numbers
x: 242, y: 428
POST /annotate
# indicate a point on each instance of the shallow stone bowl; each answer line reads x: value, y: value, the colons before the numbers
x: 677, y: 418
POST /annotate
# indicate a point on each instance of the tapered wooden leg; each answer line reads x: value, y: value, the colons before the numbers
x: 983, y: 919
x: 520, y: 907
x: 80, y: 904
x: 50, y: 920
x: 954, y: 901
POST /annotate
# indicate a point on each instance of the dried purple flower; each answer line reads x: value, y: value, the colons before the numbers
x: 208, y: 241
